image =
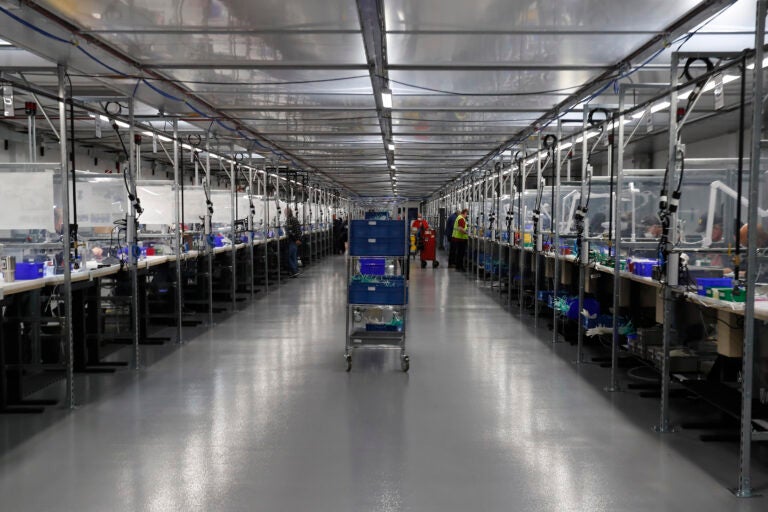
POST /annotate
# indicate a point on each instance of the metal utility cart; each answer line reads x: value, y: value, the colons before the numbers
x: 377, y: 288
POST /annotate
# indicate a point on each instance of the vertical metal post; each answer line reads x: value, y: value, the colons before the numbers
x: 521, y: 232
x: 208, y: 229
x: 555, y: 228
x: 537, y: 238
x: 744, y: 489
x: 277, y: 228
x: 179, y: 223
x: 251, y: 247
x: 583, y: 248
x: 132, y: 239
x: 64, y: 200
x: 613, y: 385
x: 663, y: 426
x: 265, y: 227
x: 497, y: 232
x: 233, y: 205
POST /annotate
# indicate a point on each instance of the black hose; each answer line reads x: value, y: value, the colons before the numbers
x: 739, y: 191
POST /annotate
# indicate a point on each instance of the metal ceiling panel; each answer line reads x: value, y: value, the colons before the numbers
x: 286, y: 81
x: 225, y: 14
x: 202, y: 48
x: 245, y: 100
x: 491, y: 82
x: 536, y: 49
x: 506, y: 15
x: 540, y: 102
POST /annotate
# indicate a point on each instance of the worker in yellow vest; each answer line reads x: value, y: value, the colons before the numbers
x: 459, y: 240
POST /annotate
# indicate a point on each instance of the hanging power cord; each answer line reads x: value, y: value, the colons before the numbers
x: 580, y: 215
x: 135, y: 201
x: 740, y: 178
x: 550, y: 145
x: 669, y: 203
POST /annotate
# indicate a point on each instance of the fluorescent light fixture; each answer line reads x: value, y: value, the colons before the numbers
x: 660, y: 106
x: 765, y: 64
x: 589, y: 136
x: 638, y: 115
x: 160, y: 137
x: 393, y: 167
x: 615, y: 124
x: 121, y: 124
x: 566, y: 145
x: 386, y: 98
x: 391, y: 146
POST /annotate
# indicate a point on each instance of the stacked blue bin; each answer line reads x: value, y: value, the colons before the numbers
x: 376, y: 240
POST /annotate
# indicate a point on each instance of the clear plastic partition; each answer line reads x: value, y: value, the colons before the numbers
x: 102, y: 210
x: 193, y: 213
x: 639, y: 205
x: 710, y: 204
x: 507, y: 212
x: 156, y: 235
x: 30, y: 221
x: 525, y: 220
x: 221, y: 220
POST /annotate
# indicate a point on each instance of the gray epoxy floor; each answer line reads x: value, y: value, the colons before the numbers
x: 259, y: 415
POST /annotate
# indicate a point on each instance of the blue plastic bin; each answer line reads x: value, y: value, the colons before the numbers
x: 373, y: 266
x: 377, y: 238
x: 702, y: 283
x: 644, y: 268
x: 27, y: 271
x: 390, y: 291
x: 381, y: 327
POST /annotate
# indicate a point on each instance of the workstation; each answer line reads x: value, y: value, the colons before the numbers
x: 683, y: 319
x: 604, y: 346
x: 151, y: 251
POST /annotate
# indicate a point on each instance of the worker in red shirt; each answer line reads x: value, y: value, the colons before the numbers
x: 419, y: 224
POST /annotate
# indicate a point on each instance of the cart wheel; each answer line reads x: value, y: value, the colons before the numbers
x: 423, y: 264
x: 348, y: 359
x: 435, y: 264
x: 405, y: 363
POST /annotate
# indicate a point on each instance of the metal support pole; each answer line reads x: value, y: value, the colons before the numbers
x: 65, y: 176
x: 233, y: 205
x: 744, y: 489
x: 277, y: 228
x: 251, y: 247
x: 537, y: 239
x: 664, y: 426
x: 208, y: 229
x: 132, y: 239
x: 179, y: 222
x: 583, y: 249
x: 554, y: 226
x: 497, y: 232
x: 265, y: 227
x: 613, y: 385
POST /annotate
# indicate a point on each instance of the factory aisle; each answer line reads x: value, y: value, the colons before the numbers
x: 259, y: 415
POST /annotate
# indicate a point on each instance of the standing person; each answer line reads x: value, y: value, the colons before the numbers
x: 338, y: 227
x: 418, y: 226
x: 448, y: 236
x: 293, y: 231
x: 460, y: 237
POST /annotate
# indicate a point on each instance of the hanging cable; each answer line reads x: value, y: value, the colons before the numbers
x: 135, y: 201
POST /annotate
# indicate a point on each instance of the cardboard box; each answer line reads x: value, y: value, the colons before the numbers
x: 730, y: 334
